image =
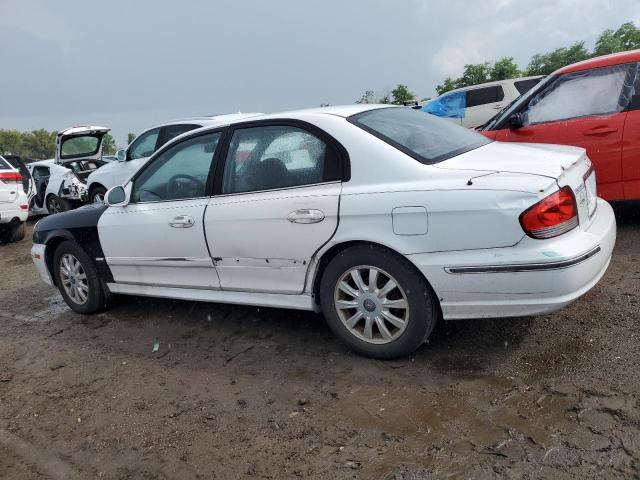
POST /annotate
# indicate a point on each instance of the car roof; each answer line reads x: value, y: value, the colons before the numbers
x: 206, y: 119
x: 489, y: 84
x: 47, y: 163
x: 603, y: 61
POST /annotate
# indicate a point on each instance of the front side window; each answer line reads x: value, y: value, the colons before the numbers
x: 179, y: 173
x: 272, y: 157
x: 82, y: 146
x: 484, y: 96
x: 424, y: 137
x: 144, y: 145
x: 600, y: 91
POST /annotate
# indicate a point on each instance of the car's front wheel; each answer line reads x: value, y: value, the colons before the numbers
x: 56, y: 204
x: 97, y: 195
x: 376, y: 302
x: 77, y: 279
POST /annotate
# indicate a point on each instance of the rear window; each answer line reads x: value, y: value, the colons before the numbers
x: 425, y: 137
x: 80, y: 146
x: 3, y: 164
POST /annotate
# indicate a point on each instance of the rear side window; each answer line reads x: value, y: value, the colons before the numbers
x: 600, y: 91
x: 523, y: 86
x: 273, y: 157
x: 485, y: 95
x: 3, y: 164
x: 424, y: 137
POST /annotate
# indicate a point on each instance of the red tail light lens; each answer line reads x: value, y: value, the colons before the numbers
x: 7, y: 177
x: 552, y: 216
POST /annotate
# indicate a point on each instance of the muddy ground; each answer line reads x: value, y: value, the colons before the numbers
x: 238, y: 392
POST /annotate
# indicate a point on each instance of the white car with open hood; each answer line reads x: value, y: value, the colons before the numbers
x: 383, y: 218
x: 60, y: 183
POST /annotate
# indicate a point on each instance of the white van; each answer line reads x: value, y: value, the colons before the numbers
x: 474, y: 106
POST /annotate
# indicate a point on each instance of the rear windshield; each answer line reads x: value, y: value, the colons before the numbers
x: 81, y: 146
x: 420, y: 135
x: 3, y: 164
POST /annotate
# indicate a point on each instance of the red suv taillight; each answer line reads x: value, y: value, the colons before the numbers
x: 13, y: 177
x: 551, y: 216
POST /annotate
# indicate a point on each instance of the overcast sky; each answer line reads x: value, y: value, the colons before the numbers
x: 131, y: 64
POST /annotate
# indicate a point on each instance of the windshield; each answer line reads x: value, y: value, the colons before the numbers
x: 426, y: 138
x: 515, y: 105
x: 4, y: 165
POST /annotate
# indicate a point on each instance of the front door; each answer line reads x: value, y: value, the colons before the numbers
x: 158, y: 239
x: 278, y: 204
x: 584, y: 109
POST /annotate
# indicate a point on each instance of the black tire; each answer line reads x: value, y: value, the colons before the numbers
x: 95, y: 192
x: 96, y: 298
x: 422, y: 305
x: 13, y: 232
x: 56, y: 204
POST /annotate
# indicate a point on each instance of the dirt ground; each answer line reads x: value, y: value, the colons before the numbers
x: 238, y: 392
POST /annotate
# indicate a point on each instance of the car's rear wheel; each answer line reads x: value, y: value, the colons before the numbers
x: 376, y: 302
x: 97, y: 195
x: 77, y: 279
x: 56, y: 204
x: 13, y: 232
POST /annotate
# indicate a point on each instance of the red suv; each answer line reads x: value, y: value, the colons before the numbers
x: 593, y: 104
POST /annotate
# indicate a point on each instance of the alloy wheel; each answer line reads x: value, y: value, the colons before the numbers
x: 371, y: 304
x: 74, y: 279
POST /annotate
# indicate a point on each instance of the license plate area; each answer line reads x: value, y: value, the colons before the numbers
x: 591, y: 191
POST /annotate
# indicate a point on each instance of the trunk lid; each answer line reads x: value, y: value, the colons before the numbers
x: 564, y: 164
x: 79, y: 143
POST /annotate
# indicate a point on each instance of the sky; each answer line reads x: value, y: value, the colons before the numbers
x: 129, y: 64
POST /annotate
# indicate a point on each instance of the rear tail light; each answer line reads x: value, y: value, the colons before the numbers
x: 10, y: 177
x: 24, y: 207
x: 551, y: 216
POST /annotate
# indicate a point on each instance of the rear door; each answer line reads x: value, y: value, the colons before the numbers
x: 277, y: 205
x: 585, y: 109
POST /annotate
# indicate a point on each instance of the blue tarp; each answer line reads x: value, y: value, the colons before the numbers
x: 449, y: 106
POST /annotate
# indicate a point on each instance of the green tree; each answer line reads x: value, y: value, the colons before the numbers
x: 39, y: 144
x: 627, y: 37
x: 448, y: 84
x: 368, y: 97
x: 474, y: 74
x: 546, y: 63
x: 130, y: 138
x: 401, y: 94
x: 11, y: 142
x: 503, y: 69
x: 108, y: 145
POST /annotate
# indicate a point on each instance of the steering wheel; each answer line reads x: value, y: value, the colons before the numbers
x: 184, y: 186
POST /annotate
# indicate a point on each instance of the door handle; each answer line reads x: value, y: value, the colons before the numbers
x: 182, y: 221
x: 600, y: 131
x: 498, y: 107
x: 305, y: 215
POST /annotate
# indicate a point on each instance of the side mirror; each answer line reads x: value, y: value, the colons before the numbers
x: 516, y: 120
x: 116, y: 197
x: 121, y: 155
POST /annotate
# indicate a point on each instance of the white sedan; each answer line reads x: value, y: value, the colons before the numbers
x: 383, y: 218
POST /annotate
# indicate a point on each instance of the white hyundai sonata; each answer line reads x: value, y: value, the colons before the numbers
x: 383, y: 218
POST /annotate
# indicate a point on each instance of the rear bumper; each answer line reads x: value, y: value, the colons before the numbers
x: 530, y: 278
x: 38, y: 257
x: 11, y: 211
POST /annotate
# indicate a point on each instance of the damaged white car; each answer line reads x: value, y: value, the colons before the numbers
x: 60, y: 183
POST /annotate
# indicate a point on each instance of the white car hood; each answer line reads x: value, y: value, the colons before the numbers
x: 528, y: 158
